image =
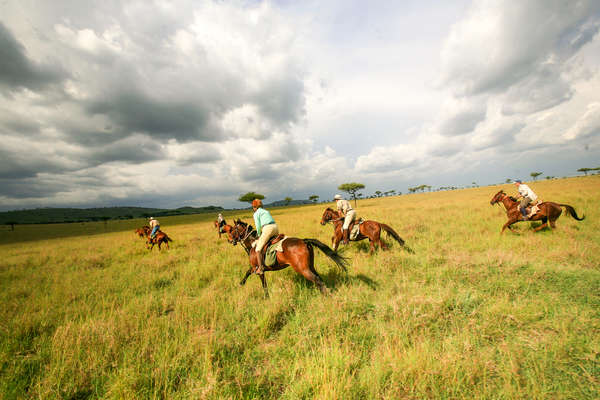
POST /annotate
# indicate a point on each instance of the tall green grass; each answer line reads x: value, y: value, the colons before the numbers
x: 471, y: 315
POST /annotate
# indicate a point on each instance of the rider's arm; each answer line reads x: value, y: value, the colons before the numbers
x: 257, y: 222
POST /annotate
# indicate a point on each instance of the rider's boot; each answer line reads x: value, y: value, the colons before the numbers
x: 346, y: 236
x: 260, y: 269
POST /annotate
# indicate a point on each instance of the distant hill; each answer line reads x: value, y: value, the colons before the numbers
x: 58, y: 215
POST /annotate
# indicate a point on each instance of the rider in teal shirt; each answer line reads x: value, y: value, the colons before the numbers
x: 261, y: 218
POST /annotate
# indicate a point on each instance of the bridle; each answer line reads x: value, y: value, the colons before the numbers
x: 247, y: 232
x: 331, y: 220
x: 501, y: 200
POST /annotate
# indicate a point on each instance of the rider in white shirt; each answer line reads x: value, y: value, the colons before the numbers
x: 349, y: 215
x: 527, y: 196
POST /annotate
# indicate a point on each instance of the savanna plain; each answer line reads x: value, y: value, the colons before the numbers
x: 86, y: 311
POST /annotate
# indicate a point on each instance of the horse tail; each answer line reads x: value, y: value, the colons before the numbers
x: 388, y: 229
x: 335, y: 257
x: 571, y: 212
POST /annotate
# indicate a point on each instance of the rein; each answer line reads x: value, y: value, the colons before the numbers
x: 504, y: 196
x: 334, y: 220
x: 247, y: 233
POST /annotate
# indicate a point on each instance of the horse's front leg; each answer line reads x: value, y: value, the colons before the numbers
x: 248, y: 273
x: 264, y: 285
x: 335, y: 240
x: 508, y: 225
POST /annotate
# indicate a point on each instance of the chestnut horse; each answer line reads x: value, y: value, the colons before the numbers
x: 159, y: 239
x: 143, y: 231
x: 548, y: 212
x: 368, y: 230
x: 224, y: 229
x: 297, y: 253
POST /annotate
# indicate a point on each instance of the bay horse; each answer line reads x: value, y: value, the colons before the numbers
x: 159, y: 239
x: 548, y: 212
x: 143, y: 231
x: 297, y: 253
x: 224, y: 229
x: 367, y: 230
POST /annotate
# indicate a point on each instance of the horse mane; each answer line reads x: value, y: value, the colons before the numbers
x: 512, y: 198
x: 244, y: 224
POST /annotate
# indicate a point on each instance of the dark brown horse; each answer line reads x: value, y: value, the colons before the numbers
x: 158, y: 239
x: 297, y: 253
x: 367, y: 230
x: 548, y: 213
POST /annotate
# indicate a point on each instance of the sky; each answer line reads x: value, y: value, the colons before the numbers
x: 193, y: 103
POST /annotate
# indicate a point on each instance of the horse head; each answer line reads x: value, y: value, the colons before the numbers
x: 497, y: 197
x: 240, y: 232
x: 328, y: 215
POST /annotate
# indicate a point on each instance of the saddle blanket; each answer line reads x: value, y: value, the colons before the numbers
x: 356, y: 229
x: 271, y: 253
x: 534, y: 209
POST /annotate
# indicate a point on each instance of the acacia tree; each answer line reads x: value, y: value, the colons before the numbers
x: 352, y: 189
x: 248, y: 197
x: 314, y: 198
x: 585, y: 170
x: 534, y: 175
x: 287, y: 200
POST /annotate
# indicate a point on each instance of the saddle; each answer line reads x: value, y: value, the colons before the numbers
x: 533, y: 208
x: 273, y: 246
x: 354, y: 228
x: 275, y: 239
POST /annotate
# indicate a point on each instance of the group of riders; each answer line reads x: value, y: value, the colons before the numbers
x: 266, y: 227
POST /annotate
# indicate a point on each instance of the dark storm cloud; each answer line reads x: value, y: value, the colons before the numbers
x: 17, y: 70
x: 463, y: 122
x: 25, y: 165
x: 133, y: 112
x: 282, y: 100
x: 504, y: 137
x: 134, y: 150
x: 11, y: 123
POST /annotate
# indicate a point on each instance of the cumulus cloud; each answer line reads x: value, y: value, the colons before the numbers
x: 496, y: 46
x: 461, y: 116
x: 17, y: 70
x: 206, y: 100
x: 587, y: 125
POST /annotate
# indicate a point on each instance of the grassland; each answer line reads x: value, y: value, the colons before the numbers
x: 87, y: 312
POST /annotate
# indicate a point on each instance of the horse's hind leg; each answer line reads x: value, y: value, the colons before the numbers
x: 318, y: 281
x: 543, y: 225
x: 308, y: 271
x: 381, y: 242
x: 372, y: 246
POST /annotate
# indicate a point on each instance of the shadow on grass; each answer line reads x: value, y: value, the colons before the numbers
x: 335, y: 278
